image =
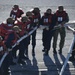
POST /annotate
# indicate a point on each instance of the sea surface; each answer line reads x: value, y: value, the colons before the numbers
x: 6, y: 6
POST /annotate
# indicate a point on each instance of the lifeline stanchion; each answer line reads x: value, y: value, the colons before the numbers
x: 68, y: 56
x: 6, y: 53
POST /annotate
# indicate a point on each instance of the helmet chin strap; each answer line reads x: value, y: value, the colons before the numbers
x: 10, y: 24
x: 15, y: 10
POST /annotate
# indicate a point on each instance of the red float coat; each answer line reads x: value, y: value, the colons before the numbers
x: 16, y: 14
x: 25, y: 27
x: 61, y: 16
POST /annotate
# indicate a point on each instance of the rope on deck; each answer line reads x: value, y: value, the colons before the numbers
x: 70, y: 51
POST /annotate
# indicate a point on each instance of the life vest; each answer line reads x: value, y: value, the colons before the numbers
x: 36, y: 19
x: 16, y: 14
x: 28, y: 26
x: 61, y: 16
x: 47, y: 20
x: 22, y: 26
x: 3, y: 31
x: 7, y: 26
x: 25, y: 27
x: 15, y: 37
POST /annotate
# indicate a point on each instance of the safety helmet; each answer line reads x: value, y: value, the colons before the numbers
x: 48, y: 11
x: 15, y: 6
x: 16, y: 28
x: 24, y: 19
x: 29, y: 13
x: 36, y: 9
x: 10, y: 20
x: 60, y: 8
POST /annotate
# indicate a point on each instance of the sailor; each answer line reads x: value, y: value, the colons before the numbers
x: 36, y: 23
x: 16, y: 12
x: 48, y: 21
x: 61, y: 19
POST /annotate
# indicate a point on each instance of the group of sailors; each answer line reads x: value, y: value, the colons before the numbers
x: 20, y: 24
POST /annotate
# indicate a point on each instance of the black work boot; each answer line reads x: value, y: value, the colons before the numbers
x: 60, y: 51
x: 14, y: 54
x: 33, y: 52
x: 54, y: 51
x: 20, y: 61
x: 26, y: 52
x: 46, y: 52
x: 72, y: 58
x: 43, y: 50
x: 7, y: 72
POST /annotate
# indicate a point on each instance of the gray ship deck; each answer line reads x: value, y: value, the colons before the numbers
x: 46, y: 65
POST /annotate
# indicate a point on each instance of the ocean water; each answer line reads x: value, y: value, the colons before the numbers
x: 6, y: 6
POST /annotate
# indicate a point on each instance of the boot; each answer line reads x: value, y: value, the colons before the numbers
x: 60, y: 51
x: 46, y: 52
x: 26, y: 52
x: 33, y: 52
x: 72, y: 58
x: 43, y: 50
x: 20, y: 61
x: 54, y: 51
x: 7, y: 72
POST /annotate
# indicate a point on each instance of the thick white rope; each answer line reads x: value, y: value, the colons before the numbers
x: 70, y: 51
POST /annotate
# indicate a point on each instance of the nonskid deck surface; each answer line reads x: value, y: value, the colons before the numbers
x: 45, y: 65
